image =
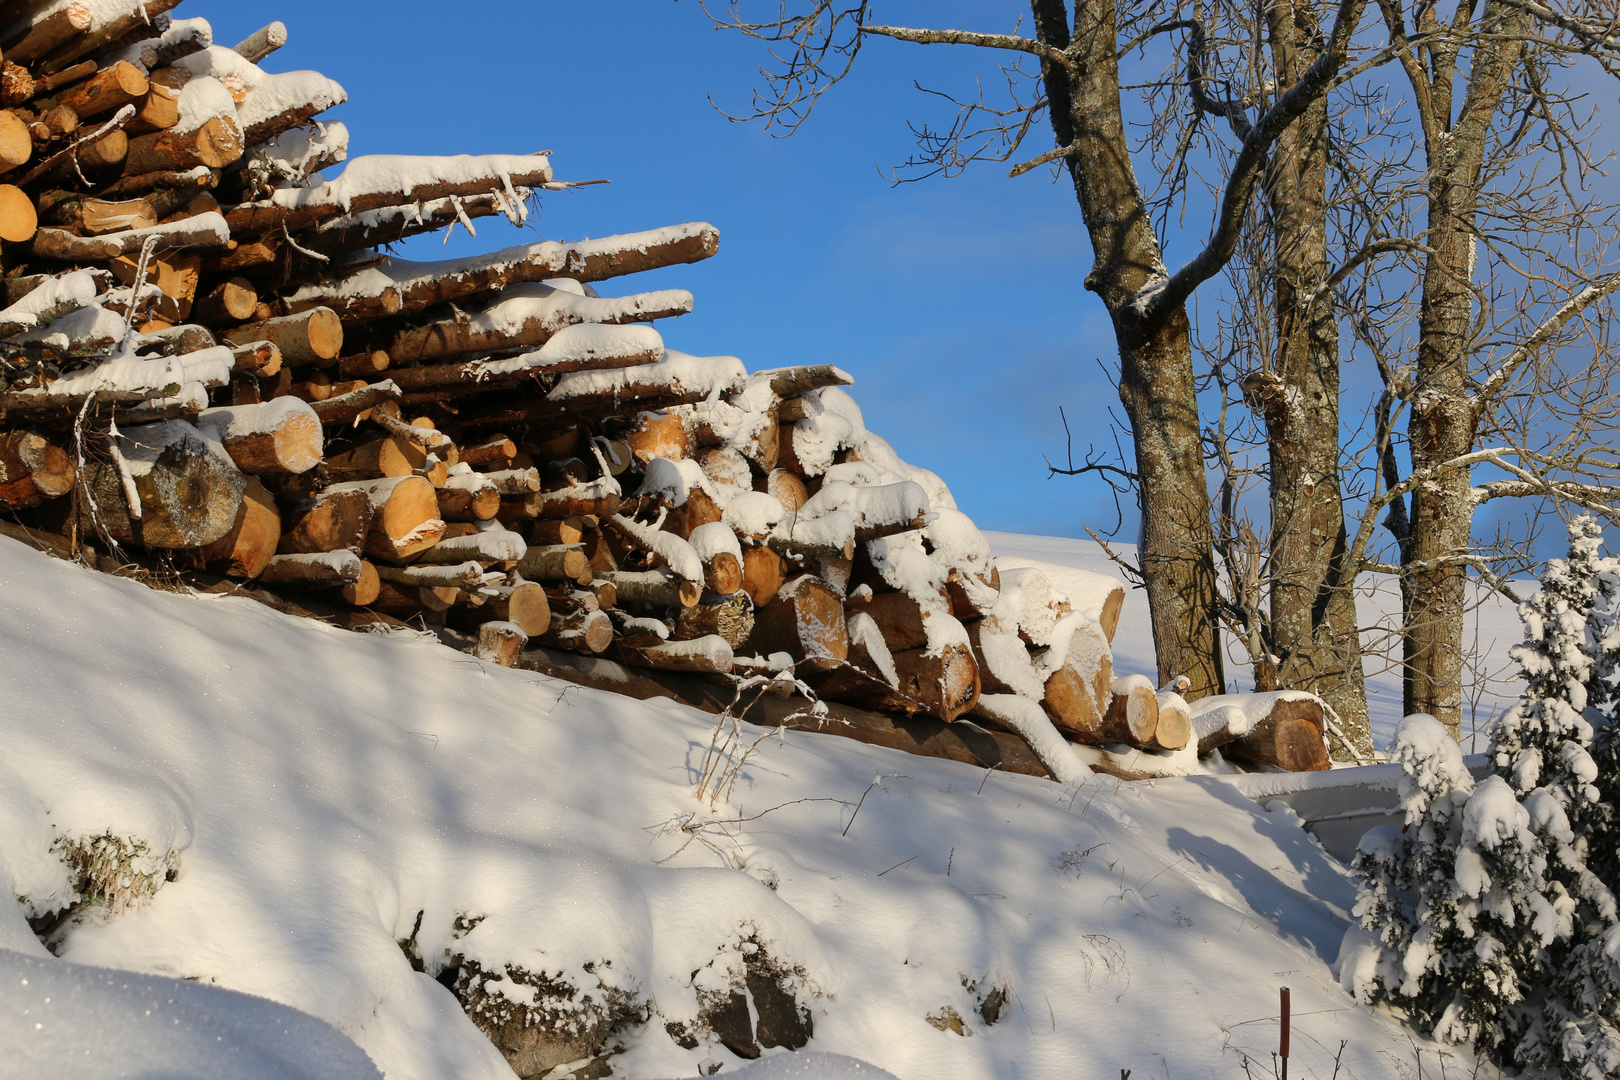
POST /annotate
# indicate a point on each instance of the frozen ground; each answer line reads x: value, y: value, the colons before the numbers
x: 314, y: 794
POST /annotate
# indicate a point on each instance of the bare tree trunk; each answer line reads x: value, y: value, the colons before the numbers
x: 1444, y: 423
x: 1313, y: 607
x: 1156, y: 373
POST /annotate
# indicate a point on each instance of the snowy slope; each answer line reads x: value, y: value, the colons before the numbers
x: 314, y: 790
x: 1492, y: 629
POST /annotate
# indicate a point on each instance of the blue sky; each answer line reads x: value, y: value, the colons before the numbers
x: 956, y: 304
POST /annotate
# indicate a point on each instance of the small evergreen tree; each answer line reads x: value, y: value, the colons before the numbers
x: 1492, y: 920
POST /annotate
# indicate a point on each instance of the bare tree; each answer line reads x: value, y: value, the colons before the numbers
x: 1077, y: 91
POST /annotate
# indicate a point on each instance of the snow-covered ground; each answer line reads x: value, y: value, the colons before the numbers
x: 1492, y: 629
x: 318, y: 797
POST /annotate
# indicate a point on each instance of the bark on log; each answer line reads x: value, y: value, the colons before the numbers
x: 500, y: 642
x: 731, y: 618
x: 32, y: 470
x: 468, y: 496
x: 548, y: 532
x: 805, y: 620
x: 1289, y: 737
x: 280, y: 436
x: 257, y: 358
x: 578, y: 631
x: 496, y: 450
x: 652, y: 587
x: 555, y: 564
x: 125, y: 29
x: 214, y: 144
x: 118, y: 84
x: 701, y: 655
x: 156, y: 110
x: 189, y: 490
x: 523, y: 603
x: 251, y: 543
x: 946, y: 684
x: 262, y: 42
x: 325, y: 570
x: 343, y: 408
x: 231, y: 301
x: 790, y: 382
x: 44, y: 33
x: 1133, y: 714
x: 305, y: 338
x: 404, y: 516
x: 334, y: 520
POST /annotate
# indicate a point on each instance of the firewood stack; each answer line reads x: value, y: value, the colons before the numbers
x: 210, y: 362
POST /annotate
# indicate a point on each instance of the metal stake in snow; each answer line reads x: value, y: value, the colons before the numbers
x: 1282, y: 1047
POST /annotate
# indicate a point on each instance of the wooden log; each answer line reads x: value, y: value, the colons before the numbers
x: 523, y: 603
x: 189, y: 490
x: 156, y: 110
x: 962, y: 741
x: 500, y: 642
x: 468, y: 496
x: 262, y: 42
x: 805, y: 620
x: 1133, y: 713
x: 16, y: 144
x: 947, y: 684
x: 118, y: 84
x: 788, y: 489
x: 704, y: 655
x: 214, y: 144
x: 333, y: 520
x: 305, y: 338
x: 654, y: 434
x: 345, y: 407
x: 279, y: 436
x: 555, y: 564
x: 257, y: 358
x: 698, y: 510
x: 793, y: 382
x: 462, y: 575
x: 251, y: 544
x: 423, y: 285
x: 1175, y: 723
x: 404, y: 516
x: 551, y: 531
x: 44, y: 32
x: 578, y: 631
x: 265, y: 216
x: 763, y: 574
x: 899, y: 619
x: 323, y: 570
x: 495, y: 450
x: 390, y: 456
x: 730, y: 618
x: 1077, y: 703
x: 16, y: 84
x: 33, y: 470
x: 1288, y: 735
x: 723, y: 574
x: 18, y: 220
x: 361, y: 365
x: 231, y: 301
x: 653, y: 588
x: 115, y: 32
x: 410, y: 601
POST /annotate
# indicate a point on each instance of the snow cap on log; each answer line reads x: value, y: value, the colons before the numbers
x: 673, y: 480
x: 677, y: 373
x: 601, y: 349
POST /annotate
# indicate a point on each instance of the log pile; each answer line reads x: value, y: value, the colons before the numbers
x: 211, y: 362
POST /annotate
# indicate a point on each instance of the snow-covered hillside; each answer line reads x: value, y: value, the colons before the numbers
x: 319, y: 797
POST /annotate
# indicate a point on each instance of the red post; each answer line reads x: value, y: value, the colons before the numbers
x: 1282, y: 1049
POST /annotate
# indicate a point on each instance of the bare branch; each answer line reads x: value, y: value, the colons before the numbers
x: 1541, y: 336
x: 968, y: 37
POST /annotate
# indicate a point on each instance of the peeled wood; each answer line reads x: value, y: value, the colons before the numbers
x: 119, y: 84
x: 1289, y: 737
x: 655, y: 434
x: 731, y: 618
x: 947, y: 685
x: 555, y: 564
x: 305, y: 338
x: 762, y: 574
x: 578, y: 631
x: 32, y: 470
x: 805, y: 620
x: 251, y: 543
x: 18, y: 219
x: 215, y: 143
x: 285, y: 441
x: 16, y: 145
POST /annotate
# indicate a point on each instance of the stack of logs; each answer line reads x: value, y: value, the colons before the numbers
x: 211, y: 366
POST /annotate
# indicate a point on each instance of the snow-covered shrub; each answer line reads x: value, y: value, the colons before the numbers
x: 1483, y: 921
